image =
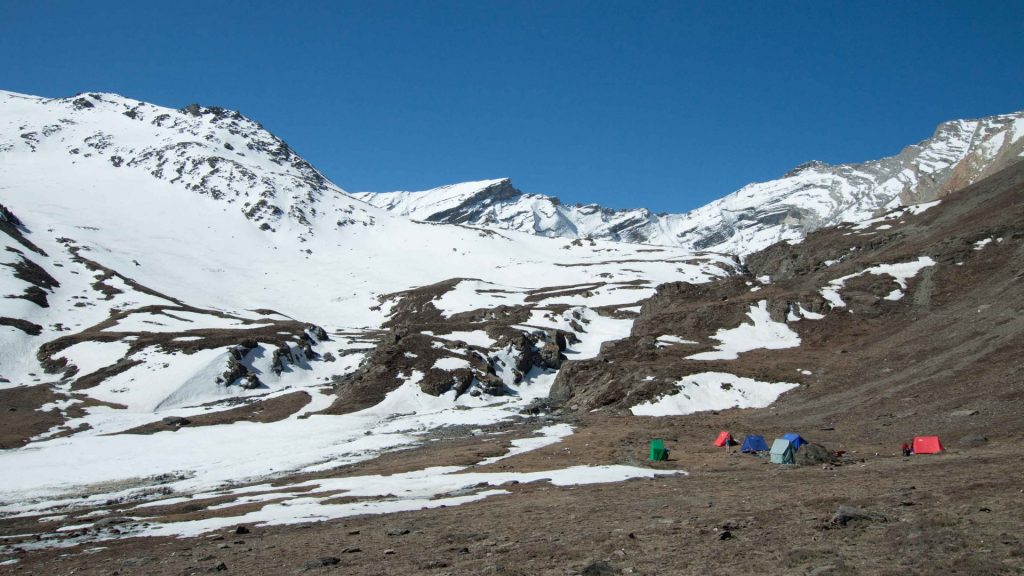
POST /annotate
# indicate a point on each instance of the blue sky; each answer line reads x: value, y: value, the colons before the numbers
x: 661, y: 104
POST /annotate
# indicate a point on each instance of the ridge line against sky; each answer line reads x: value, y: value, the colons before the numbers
x: 662, y: 105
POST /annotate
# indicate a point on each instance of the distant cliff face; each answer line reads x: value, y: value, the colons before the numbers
x: 808, y: 197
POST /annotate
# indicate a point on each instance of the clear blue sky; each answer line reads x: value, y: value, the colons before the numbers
x: 660, y: 104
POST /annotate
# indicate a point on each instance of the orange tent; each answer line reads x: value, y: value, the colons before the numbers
x: 927, y: 445
x: 724, y: 439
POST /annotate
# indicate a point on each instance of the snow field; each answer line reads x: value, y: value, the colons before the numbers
x: 713, y: 391
x: 423, y: 489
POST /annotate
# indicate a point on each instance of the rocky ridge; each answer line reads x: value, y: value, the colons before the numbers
x: 209, y: 150
x: 811, y: 196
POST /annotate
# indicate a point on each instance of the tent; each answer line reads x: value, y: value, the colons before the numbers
x: 795, y: 439
x: 724, y: 439
x: 754, y: 443
x: 782, y: 451
x: 927, y: 445
x: 658, y: 450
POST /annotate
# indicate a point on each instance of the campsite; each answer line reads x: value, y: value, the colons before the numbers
x: 736, y: 512
x: 785, y: 450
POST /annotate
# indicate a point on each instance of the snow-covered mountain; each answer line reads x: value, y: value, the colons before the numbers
x: 209, y: 151
x: 183, y: 290
x: 809, y: 197
x: 202, y: 206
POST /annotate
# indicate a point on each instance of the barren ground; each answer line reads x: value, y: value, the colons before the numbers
x: 958, y: 512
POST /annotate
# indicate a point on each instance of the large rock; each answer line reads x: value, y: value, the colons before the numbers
x: 234, y: 371
x: 282, y: 356
x: 814, y: 454
x: 317, y: 332
x: 436, y: 382
x: 491, y: 384
x: 250, y: 381
x: 551, y: 356
x: 846, y: 514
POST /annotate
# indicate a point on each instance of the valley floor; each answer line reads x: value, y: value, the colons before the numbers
x: 957, y: 513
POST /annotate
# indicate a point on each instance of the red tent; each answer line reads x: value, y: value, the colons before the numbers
x: 724, y: 439
x: 927, y: 445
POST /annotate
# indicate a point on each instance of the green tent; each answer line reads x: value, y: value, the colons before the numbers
x: 658, y: 450
x: 782, y: 451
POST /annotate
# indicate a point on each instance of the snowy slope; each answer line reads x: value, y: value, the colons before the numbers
x: 193, y: 237
x: 209, y: 151
x: 185, y: 263
x: 809, y: 197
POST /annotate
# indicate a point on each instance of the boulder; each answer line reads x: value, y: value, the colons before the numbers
x: 526, y: 360
x: 558, y: 338
x: 551, y: 356
x: 250, y: 381
x: 491, y: 384
x: 814, y: 454
x: 846, y: 514
x: 537, y: 406
x: 176, y: 421
x: 242, y: 349
x: 972, y: 441
x: 234, y: 371
x: 81, y: 103
x: 437, y: 382
x: 307, y: 351
x: 321, y: 562
x: 599, y: 568
x: 317, y: 332
x: 282, y: 355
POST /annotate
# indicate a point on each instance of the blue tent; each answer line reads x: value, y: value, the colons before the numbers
x: 795, y: 439
x: 754, y: 443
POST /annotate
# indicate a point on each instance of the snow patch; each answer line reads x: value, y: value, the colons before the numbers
x: 451, y: 363
x: 91, y: 356
x: 546, y: 436
x: 473, y: 338
x: 669, y: 340
x: 713, y: 391
x: 763, y: 333
x: 900, y: 272
x: 916, y: 209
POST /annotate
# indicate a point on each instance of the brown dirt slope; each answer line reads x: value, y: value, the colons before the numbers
x: 890, y: 369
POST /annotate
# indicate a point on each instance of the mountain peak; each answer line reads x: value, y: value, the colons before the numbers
x: 208, y: 150
x: 809, y: 165
x: 454, y: 203
x: 811, y: 195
